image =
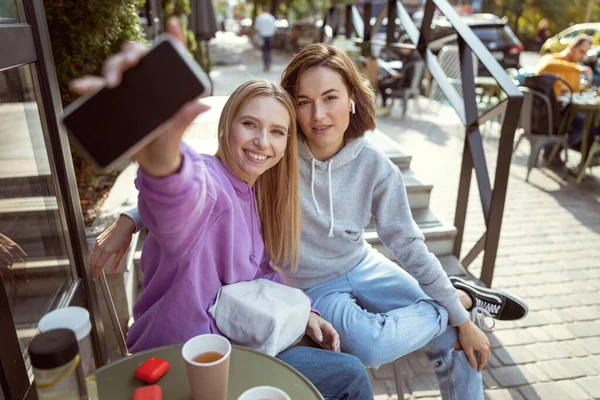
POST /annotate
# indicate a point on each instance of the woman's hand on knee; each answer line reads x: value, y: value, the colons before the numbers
x: 472, y: 339
x: 323, y: 333
x: 113, y: 241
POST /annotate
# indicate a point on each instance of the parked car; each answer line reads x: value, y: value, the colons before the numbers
x: 245, y: 26
x: 560, y: 41
x: 493, y: 32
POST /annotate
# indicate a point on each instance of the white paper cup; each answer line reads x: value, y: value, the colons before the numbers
x: 208, y: 381
x: 264, y: 393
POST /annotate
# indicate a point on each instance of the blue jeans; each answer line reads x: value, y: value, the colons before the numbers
x: 266, y: 51
x: 337, y: 376
x: 381, y: 314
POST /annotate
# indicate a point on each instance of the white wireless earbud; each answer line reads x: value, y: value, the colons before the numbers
x: 353, y: 105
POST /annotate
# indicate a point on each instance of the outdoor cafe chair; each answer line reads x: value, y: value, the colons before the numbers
x: 393, y: 87
x: 537, y: 141
x: 542, y: 116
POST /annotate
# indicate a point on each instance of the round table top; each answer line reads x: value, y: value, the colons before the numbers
x: 581, y: 103
x: 247, y: 369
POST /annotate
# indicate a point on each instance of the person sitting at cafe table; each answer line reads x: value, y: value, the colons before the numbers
x: 567, y: 65
x: 216, y: 221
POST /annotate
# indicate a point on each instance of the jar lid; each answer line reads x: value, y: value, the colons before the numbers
x: 76, y: 319
x: 53, y: 349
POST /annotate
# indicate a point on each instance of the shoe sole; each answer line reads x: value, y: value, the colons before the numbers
x: 493, y: 292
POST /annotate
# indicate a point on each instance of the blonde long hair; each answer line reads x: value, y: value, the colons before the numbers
x: 277, y: 188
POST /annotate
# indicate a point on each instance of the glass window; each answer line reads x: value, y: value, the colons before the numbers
x: 34, y: 262
x: 7, y: 11
x: 500, y: 35
x: 571, y: 34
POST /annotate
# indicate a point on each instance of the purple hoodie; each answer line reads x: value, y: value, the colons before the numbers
x: 204, y: 233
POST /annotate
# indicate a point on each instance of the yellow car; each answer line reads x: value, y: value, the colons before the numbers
x: 560, y: 41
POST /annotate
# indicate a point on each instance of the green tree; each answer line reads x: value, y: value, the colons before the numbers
x: 181, y: 9
x: 83, y: 34
x: 524, y: 15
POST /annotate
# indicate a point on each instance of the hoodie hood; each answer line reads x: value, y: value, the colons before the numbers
x: 242, y: 189
x: 348, y: 153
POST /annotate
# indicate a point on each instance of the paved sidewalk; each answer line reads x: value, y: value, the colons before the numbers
x: 549, y: 253
x: 236, y: 60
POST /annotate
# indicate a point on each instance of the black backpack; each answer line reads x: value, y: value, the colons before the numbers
x: 544, y: 84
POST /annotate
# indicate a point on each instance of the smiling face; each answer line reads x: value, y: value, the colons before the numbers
x: 259, y: 134
x: 323, y: 106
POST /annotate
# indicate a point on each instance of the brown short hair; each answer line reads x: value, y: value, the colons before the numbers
x: 324, y: 55
x: 580, y: 40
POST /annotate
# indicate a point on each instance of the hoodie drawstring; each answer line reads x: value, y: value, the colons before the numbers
x: 330, y: 201
x: 252, y: 211
x: 312, y: 187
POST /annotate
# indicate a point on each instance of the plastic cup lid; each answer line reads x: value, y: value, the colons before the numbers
x: 76, y: 319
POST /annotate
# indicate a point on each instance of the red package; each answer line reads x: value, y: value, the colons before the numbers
x: 152, y: 370
x: 152, y: 392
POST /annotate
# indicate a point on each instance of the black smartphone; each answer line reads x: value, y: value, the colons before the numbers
x: 114, y: 123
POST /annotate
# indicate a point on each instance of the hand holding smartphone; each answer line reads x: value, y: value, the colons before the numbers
x: 112, y: 123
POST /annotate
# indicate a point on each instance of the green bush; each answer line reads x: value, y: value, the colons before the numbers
x: 84, y: 33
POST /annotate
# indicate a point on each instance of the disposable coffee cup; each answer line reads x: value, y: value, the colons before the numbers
x: 208, y: 373
x: 264, y: 393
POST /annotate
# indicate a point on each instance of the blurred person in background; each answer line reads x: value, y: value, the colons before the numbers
x: 265, y: 27
x: 542, y: 33
x: 567, y: 65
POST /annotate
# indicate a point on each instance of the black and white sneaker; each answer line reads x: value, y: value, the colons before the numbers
x: 499, y: 305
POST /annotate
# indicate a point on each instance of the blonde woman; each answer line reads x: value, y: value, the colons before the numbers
x: 216, y: 221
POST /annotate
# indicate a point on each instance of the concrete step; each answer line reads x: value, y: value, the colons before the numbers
x: 439, y: 238
x: 18, y: 205
x: 26, y: 186
x: 418, y: 192
x: 33, y: 223
x: 39, y: 268
x: 392, y: 149
x: 453, y: 267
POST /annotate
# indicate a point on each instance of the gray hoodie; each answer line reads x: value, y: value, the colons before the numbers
x: 338, y: 198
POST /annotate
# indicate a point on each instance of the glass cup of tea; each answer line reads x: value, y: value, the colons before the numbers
x: 264, y: 393
x: 207, y: 363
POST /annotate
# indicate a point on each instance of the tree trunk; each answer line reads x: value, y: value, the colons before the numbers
x: 516, y: 22
x: 588, y: 14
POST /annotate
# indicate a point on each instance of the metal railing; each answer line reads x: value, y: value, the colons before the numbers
x: 492, y: 199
